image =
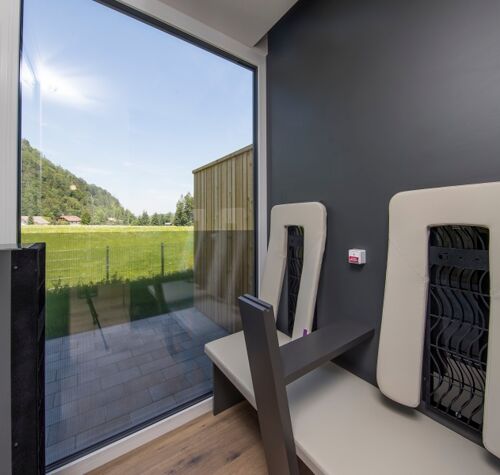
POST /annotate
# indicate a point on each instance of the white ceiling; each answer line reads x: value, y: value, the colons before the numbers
x: 244, y: 20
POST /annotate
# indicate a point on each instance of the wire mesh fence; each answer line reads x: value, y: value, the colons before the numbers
x: 75, y: 262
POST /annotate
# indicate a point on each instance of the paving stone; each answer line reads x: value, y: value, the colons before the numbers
x: 196, y: 376
x: 157, y: 365
x: 180, y: 368
x: 101, y: 398
x: 74, y: 425
x: 193, y: 392
x: 99, y: 372
x: 76, y: 392
x: 59, y: 385
x: 147, y: 368
x: 50, y: 376
x: 173, y: 371
x: 120, y: 377
x: 148, y: 347
x: 188, y: 354
x: 203, y: 361
x: 49, y: 401
x: 67, y: 371
x: 168, y: 388
x: 134, y: 361
x: 174, y: 348
x: 102, y: 431
x: 52, y: 356
x: 128, y: 404
x: 113, y: 358
x: 60, y: 450
x: 58, y: 413
x: 160, y: 353
x: 153, y: 410
x: 143, y: 382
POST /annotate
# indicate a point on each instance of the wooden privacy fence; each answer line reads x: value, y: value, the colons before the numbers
x: 224, y: 236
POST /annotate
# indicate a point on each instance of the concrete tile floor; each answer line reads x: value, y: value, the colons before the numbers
x: 102, y: 383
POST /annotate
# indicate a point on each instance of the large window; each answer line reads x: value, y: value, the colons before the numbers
x: 138, y: 173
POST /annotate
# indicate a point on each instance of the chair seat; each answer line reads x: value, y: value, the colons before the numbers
x: 342, y: 425
x: 229, y: 354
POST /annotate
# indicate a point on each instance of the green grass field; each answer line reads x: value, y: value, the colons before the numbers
x: 81, y: 255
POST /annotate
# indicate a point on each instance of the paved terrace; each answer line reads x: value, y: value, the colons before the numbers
x: 101, y: 383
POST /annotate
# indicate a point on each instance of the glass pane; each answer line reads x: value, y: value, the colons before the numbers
x: 137, y: 171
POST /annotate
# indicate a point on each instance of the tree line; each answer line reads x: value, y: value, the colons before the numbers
x: 183, y: 215
x: 51, y: 191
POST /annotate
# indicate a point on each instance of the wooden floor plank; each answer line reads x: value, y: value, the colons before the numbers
x: 227, y: 444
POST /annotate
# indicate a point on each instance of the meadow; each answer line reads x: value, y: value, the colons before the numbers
x: 83, y: 255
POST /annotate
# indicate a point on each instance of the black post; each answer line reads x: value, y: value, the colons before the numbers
x: 162, y: 259
x: 107, y: 263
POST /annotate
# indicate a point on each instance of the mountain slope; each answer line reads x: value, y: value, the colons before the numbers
x: 50, y: 190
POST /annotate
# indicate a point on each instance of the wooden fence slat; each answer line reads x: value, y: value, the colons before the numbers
x: 224, y: 230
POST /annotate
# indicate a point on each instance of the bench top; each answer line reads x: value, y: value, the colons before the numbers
x: 230, y: 355
x: 343, y: 425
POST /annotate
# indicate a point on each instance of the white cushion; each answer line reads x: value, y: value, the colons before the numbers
x: 342, y: 425
x: 312, y: 218
x: 229, y: 354
x: 399, y: 367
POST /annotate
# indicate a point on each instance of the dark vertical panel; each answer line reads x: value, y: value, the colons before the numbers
x: 5, y: 362
x: 368, y: 98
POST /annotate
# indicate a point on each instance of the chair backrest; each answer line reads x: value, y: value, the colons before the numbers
x: 402, y: 333
x: 312, y: 218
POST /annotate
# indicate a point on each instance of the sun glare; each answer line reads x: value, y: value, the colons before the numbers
x: 58, y: 86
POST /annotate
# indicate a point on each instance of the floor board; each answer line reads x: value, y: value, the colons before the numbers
x: 226, y: 444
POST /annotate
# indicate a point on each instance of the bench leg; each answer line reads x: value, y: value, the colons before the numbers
x: 225, y: 393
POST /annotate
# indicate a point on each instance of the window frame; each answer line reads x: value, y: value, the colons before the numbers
x: 166, y: 18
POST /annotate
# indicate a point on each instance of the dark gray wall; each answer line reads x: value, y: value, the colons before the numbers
x: 371, y: 97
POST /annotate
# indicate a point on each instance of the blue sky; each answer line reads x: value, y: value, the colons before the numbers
x: 126, y: 106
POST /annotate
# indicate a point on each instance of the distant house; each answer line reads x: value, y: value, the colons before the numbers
x: 69, y: 219
x: 38, y: 220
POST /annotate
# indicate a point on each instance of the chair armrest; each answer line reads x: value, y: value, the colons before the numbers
x: 272, y: 367
x: 304, y: 354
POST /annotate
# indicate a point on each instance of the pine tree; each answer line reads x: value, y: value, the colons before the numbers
x: 86, y: 218
x: 184, y: 211
x: 144, y: 219
x: 179, y: 212
x: 155, y: 220
x: 188, y: 210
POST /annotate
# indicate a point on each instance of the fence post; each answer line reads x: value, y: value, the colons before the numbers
x: 162, y: 259
x: 107, y: 263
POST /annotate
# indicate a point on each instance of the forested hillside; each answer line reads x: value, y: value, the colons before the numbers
x: 51, y: 191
